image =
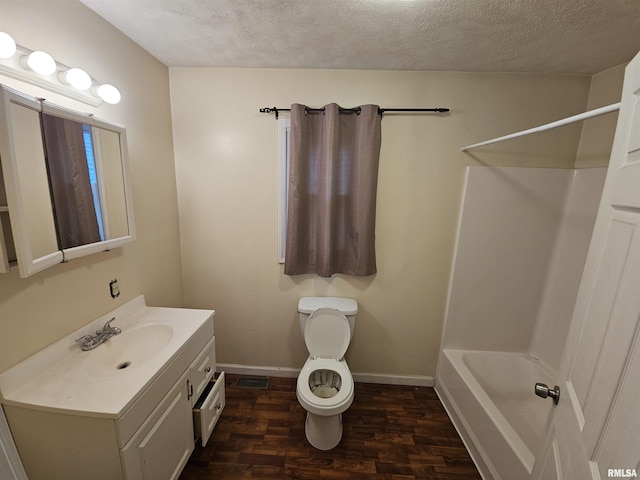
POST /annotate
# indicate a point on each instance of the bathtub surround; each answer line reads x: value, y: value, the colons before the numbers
x: 522, y: 241
x: 499, y: 420
x: 522, y: 244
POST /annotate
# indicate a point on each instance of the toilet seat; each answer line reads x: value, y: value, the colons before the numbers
x: 327, y: 334
x: 325, y: 406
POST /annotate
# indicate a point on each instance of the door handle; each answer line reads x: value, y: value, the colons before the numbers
x: 543, y: 391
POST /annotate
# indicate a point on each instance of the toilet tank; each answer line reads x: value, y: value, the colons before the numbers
x: 308, y: 305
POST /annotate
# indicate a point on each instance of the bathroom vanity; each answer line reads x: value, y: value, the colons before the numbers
x: 124, y: 410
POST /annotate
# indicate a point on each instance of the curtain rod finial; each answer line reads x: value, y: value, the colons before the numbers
x: 270, y: 110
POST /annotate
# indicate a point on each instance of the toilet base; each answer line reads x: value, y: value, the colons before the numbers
x: 323, y: 433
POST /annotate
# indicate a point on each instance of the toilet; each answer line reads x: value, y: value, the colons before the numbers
x: 325, y: 385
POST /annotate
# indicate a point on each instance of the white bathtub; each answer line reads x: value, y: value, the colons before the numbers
x: 489, y: 396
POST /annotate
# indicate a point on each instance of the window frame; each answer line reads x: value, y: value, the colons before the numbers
x: 284, y: 129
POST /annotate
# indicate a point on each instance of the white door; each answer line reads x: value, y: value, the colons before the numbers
x: 595, y: 430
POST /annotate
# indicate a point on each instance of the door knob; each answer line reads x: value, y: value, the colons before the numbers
x: 544, y: 391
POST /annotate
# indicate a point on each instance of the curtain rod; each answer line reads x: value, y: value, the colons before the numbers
x: 575, y: 118
x: 347, y: 110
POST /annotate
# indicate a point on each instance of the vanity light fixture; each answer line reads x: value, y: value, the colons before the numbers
x: 40, y: 69
x: 77, y: 78
x: 108, y: 93
x: 40, y: 62
x: 7, y: 45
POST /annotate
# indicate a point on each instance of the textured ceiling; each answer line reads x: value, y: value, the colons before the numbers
x: 560, y: 36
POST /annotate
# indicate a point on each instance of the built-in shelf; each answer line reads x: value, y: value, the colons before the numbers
x: 4, y: 209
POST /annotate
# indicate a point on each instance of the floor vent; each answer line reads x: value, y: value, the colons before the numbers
x: 252, y: 382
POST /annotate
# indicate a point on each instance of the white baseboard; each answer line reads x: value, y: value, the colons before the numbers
x: 383, y: 378
x: 388, y: 379
x: 253, y: 370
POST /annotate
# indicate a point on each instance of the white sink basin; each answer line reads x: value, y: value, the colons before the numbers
x: 124, y: 353
x: 105, y: 381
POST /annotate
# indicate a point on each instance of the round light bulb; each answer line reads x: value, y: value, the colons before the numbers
x: 41, y: 62
x: 78, y: 78
x: 109, y: 93
x: 7, y: 45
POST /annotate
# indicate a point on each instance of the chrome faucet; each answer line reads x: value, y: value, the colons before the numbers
x: 89, y: 342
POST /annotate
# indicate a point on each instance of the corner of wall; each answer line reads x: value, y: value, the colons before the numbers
x: 596, y: 139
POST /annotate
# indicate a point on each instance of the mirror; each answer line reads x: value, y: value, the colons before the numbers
x: 65, y: 176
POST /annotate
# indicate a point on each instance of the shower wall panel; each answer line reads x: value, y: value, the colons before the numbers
x: 567, y: 264
x: 508, y: 226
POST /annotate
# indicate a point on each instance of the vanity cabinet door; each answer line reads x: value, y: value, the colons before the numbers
x: 162, y: 446
x: 202, y: 370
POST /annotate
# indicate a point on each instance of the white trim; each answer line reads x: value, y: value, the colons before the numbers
x: 389, y: 379
x: 575, y: 118
x: 284, y: 126
x: 381, y: 378
x: 237, y: 369
x: 10, y: 465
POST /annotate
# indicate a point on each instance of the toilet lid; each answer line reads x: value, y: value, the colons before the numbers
x: 327, y: 334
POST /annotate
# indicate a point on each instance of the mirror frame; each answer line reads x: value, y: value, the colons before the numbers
x: 27, y: 264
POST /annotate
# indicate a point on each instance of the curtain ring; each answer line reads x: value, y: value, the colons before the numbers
x: 306, y: 111
x: 358, y: 110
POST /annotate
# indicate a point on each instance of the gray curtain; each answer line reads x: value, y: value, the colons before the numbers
x: 333, y: 175
x: 75, y: 212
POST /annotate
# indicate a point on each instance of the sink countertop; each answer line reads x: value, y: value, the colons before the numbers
x: 61, y: 377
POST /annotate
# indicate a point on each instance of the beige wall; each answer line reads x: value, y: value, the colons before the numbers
x: 596, y: 140
x: 36, y: 311
x: 226, y: 167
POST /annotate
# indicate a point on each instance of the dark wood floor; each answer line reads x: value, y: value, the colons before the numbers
x: 390, y: 432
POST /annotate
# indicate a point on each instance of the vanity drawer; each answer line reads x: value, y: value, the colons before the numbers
x: 208, y: 408
x: 202, y: 370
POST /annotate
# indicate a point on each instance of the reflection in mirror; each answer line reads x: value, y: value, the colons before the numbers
x: 90, y: 193
x: 113, y: 198
x: 72, y: 175
x: 32, y: 175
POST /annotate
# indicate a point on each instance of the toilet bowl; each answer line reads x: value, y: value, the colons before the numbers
x: 325, y: 386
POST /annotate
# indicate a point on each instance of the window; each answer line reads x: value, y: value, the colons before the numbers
x: 93, y: 176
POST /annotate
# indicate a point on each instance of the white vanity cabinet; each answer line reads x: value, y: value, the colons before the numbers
x: 161, y: 447
x: 150, y: 438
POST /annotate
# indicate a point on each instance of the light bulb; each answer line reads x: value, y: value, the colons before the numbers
x: 77, y: 78
x: 7, y: 45
x: 41, y: 62
x: 109, y: 93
